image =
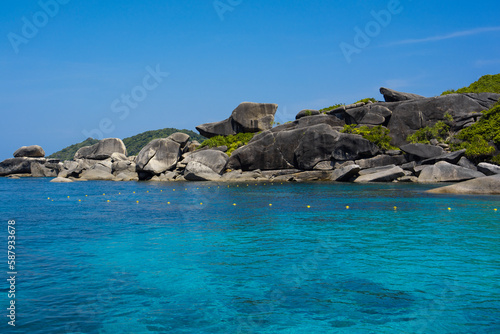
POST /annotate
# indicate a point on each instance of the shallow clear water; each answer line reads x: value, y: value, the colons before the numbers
x: 151, y: 267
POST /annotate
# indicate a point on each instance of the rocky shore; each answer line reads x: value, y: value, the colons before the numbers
x: 311, y: 148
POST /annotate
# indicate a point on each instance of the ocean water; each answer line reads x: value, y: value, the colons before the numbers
x: 115, y: 257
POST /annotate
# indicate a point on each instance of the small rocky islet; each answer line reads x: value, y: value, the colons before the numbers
x: 314, y: 147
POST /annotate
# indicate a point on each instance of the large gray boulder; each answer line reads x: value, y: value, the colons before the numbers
x: 423, y: 151
x: 180, y: 138
x: 214, y: 159
x: 369, y: 114
x: 382, y: 176
x: 409, y: 116
x: 391, y: 95
x: 381, y: 160
x: 254, y: 117
x: 102, y: 150
x: 452, y: 158
x: 489, y: 185
x: 262, y: 152
x: 300, y: 149
x: 345, y: 173
x: 446, y: 172
x: 247, y: 117
x: 33, y: 151
x: 48, y: 168
x: 222, y: 128
x: 488, y: 169
x: 196, y: 171
x: 158, y: 156
x: 18, y: 165
x: 353, y: 147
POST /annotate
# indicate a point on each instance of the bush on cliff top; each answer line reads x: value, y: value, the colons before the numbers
x: 377, y: 135
x: 485, y: 84
x: 232, y: 142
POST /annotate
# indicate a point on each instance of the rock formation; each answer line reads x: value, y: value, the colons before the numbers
x: 247, y: 117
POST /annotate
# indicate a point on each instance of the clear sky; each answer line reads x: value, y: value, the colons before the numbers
x: 118, y: 68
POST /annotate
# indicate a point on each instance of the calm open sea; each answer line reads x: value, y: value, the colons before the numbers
x: 208, y: 258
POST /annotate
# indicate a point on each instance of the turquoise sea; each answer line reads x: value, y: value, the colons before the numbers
x: 114, y: 257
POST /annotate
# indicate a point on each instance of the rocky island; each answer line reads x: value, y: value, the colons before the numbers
x: 405, y: 138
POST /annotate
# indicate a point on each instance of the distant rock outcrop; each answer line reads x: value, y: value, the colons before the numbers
x: 247, y: 117
x: 33, y: 151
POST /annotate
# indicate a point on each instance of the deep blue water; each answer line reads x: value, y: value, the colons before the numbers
x: 203, y: 265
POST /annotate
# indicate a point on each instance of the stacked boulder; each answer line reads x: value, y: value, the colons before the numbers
x: 30, y: 161
x: 247, y: 117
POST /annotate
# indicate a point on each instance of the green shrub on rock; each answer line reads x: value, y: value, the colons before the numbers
x: 232, y: 142
x: 485, y: 84
x: 439, y: 131
x: 367, y: 100
x: 480, y: 139
x: 335, y: 106
x: 378, y: 135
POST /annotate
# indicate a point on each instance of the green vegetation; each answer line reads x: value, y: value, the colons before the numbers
x: 135, y: 143
x: 369, y: 99
x: 480, y: 139
x: 69, y: 152
x: 439, y: 131
x: 232, y: 142
x: 331, y: 107
x: 378, y: 135
x: 485, y: 84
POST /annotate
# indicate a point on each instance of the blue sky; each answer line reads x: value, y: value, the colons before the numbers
x: 118, y: 68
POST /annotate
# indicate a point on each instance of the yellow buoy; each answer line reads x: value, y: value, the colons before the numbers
x: 308, y: 206
x: 137, y: 202
x: 161, y: 191
x: 134, y: 192
x: 119, y: 193
x: 147, y: 191
x: 168, y: 202
x: 86, y: 195
x: 234, y: 204
x: 449, y: 209
x: 347, y: 207
x: 395, y: 208
x: 48, y: 197
x: 173, y: 189
x: 270, y: 205
x: 79, y: 200
x: 108, y: 200
x: 201, y: 203
x: 495, y: 210
x: 68, y: 196
x: 104, y: 194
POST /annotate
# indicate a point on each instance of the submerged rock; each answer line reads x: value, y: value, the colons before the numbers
x: 489, y: 185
